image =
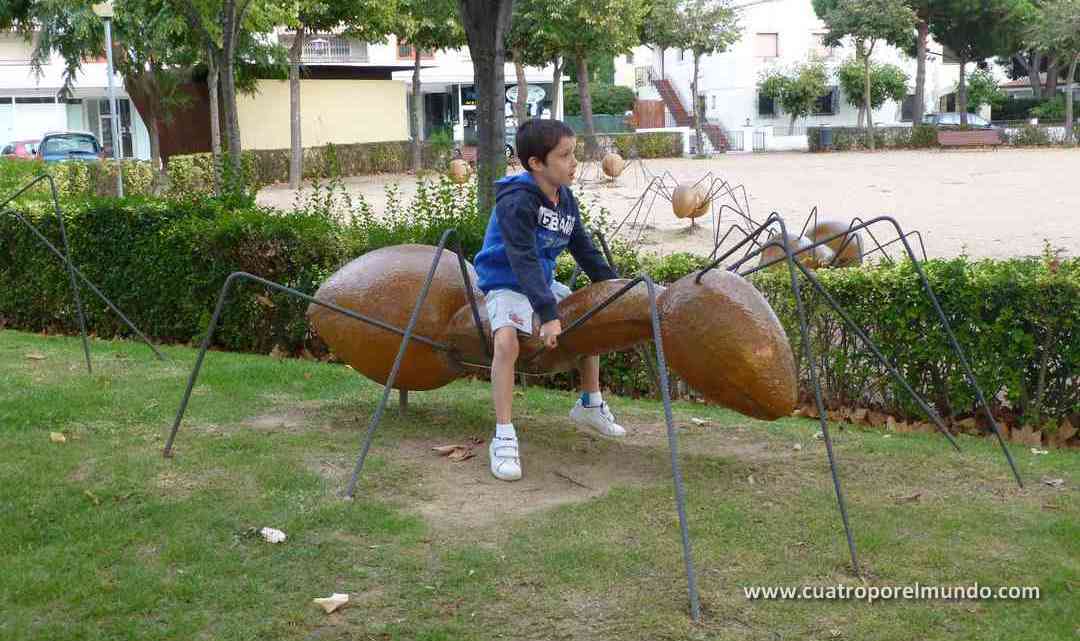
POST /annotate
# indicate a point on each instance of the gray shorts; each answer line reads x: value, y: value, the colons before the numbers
x: 505, y: 307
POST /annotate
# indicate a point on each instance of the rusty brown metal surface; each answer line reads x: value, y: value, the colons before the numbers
x: 613, y: 165
x: 722, y: 337
x: 852, y: 253
x: 621, y: 325
x: 385, y: 284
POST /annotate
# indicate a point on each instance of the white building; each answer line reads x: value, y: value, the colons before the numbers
x: 775, y: 34
x: 30, y: 104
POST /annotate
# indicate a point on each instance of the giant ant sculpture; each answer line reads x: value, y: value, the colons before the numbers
x: 711, y: 316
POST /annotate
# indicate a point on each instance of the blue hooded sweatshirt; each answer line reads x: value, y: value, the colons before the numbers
x: 525, y: 234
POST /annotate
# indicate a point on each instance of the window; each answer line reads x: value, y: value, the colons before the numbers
x: 826, y: 104
x: 630, y: 58
x: 767, y: 45
x: 712, y: 101
x: 818, y: 47
x: 5, y: 100
x: 766, y: 106
x: 35, y: 100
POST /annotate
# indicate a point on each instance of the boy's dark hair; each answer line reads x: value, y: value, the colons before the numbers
x: 537, y: 137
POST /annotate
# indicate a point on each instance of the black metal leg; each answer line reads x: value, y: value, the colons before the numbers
x: 85, y: 281
x: 237, y: 277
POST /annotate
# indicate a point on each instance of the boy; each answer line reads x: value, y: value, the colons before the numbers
x: 535, y: 218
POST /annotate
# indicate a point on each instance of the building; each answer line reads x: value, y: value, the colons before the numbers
x: 350, y: 92
x: 775, y: 34
x: 31, y: 105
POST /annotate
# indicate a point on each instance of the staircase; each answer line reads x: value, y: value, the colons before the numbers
x: 682, y: 118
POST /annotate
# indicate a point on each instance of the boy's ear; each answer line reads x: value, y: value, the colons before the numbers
x: 538, y: 163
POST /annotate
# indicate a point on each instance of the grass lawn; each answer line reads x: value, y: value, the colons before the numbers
x: 101, y: 538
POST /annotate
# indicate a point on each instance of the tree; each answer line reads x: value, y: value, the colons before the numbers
x: 584, y: 28
x: 797, y: 90
x: 867, y: 22
x: 976, y: 30
x: 660, y: 27
x: 533, y: 41
x: 486, y: 23
x: 708, y: 26
x: 148, y: 52
x: 982, y: 89
x: 1057, y: 27
x: 367, y: 20
x: 887, y: 82
x: 216, y: 26
x: 426, y: 25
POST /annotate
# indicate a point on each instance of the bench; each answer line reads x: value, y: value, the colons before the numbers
x: 969, y: 138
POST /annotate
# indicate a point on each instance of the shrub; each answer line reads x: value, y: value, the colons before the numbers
x: 1015, y: 108
x: 606, y: 99
x: 1028, y: 136
x: 923, y: 136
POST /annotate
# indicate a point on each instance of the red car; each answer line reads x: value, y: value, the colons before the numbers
x: 21, y: 149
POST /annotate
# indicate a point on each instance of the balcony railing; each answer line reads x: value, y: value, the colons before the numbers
x: 325, y: 49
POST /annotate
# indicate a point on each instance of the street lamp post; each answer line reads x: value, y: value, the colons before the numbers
x: 104, y: 11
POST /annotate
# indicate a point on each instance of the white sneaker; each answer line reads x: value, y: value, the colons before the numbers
x: 599, y: 419
x: 505, y: 462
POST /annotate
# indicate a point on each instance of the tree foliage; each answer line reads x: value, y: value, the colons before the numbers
x: 796, y: 89
x: 887, y: 82
x: 982, y: 89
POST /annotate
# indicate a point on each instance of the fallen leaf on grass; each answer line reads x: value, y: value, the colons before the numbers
x: 1053, y: 482
x: 911, y: 498
x: 456, y: 453
x: 796, y: 447
x: 699, y: 421
x: 332, y: 602
x: 93, y: 497
x: 35, y: 356
x: 460, y: 455
x: 57, y: 437
x: 1036, y: 450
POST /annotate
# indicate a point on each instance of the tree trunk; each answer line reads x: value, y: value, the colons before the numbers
x: 1053, y: 68
x: 697, y: 109
x: 152, y: 127
x: 296, y: 157
x: 867, y: 107
x: 961, y: 94
x: 920, y: 72
x: 417, y: 114
x: 1033, y: 64
x: 212, y: 80
x: 486, y: 22
x: 1070, y: 126
x: 662, y: 50
x: 228, y: 89
x: 586, y: 105
x: 521, y: 113
x: 791, y: 127
x: 862, y: 115
x: 556, y: 89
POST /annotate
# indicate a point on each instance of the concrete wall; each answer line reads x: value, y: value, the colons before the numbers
x: 337, y: 111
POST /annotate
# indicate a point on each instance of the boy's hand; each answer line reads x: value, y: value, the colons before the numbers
x: 549, y: 333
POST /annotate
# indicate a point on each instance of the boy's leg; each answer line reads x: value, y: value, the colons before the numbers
x: 503, y: 449
x: 502, y: 373
x: 591, y: 410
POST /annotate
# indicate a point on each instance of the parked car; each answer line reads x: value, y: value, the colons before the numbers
x: 949, y: 119
x: 20, y: 149
x: 64, y: 146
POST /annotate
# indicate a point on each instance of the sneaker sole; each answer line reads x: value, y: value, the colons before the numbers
x: 588, y: 430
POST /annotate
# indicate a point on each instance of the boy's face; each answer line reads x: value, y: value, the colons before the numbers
x: 561, y: 164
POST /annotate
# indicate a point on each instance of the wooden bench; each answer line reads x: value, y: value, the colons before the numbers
x: 969, y: 138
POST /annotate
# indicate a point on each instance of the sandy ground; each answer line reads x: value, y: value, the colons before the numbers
x: 982, y: 203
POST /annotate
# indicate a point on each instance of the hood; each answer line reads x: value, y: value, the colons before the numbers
x: 520, y: 182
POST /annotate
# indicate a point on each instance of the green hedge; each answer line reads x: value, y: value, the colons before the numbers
x: 850, y: 138
x: 654, y: 144
x: 165, y: 261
